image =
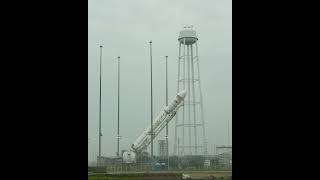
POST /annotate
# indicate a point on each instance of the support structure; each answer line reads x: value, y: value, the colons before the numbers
x: 191, y: 120
x: 167, y: 130
x: 100, y: 133
x: 118, y: 132
x: 151, y: 132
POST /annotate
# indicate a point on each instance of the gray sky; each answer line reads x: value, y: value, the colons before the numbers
x: 125, y: 27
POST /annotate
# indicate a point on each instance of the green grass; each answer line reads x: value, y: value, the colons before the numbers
x: 118, y: 178
x: 103, y: 177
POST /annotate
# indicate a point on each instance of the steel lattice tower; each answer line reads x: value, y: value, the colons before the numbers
x: 190, y: 119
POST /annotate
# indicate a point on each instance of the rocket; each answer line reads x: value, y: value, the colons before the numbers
x: 159, y: 122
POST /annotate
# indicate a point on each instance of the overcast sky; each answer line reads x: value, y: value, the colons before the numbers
x: 125, y: 27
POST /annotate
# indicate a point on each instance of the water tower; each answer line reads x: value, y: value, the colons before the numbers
x: 190, y: 136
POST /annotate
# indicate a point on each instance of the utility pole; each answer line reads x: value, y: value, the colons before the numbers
x: 167, y: 130
x: 100, y: 134
x: 228, y: 134
x: 118, y: 135
x: 151, y: 104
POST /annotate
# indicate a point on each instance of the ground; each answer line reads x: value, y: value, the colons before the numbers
x: 162, y: 175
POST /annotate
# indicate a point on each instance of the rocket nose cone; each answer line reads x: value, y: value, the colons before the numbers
x: 182, y: 94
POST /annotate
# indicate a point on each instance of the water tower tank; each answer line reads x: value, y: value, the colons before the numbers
x: 188, y: 34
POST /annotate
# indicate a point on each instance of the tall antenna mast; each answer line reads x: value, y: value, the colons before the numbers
x: 118, y: 135
x: 167, y: 130
x: 100, y: 134
x: 151, y: 102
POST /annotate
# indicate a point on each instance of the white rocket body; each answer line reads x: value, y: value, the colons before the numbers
x: 159, y: 122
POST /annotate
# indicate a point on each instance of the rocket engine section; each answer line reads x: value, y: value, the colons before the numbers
x: 129, y: 157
